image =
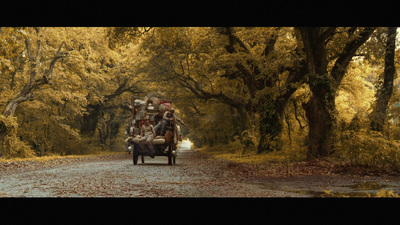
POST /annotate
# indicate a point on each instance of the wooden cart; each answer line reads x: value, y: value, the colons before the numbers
x: 136, y: 123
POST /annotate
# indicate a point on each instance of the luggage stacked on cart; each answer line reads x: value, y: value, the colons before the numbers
x: 150, y: 107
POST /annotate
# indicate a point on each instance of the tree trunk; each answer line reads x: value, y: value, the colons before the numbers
x: 270, y: 127
x: 320, y: 108
x: 13, y: 103
x: 9, y: 111
x: 378, y: 116
x: 272, y: 108
x: 320, y: 113
x: 89, y: 121
x: 101, y: 136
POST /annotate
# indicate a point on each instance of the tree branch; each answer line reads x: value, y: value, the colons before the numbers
x: 295, y: 115
x: 306, y: 36
x: 348, y: 52
x: 37, y: 51
x: 270, y: 44
x: 326, y: 35
x: 202, y: 94
x: 33, y: 61
x: 25, y: 93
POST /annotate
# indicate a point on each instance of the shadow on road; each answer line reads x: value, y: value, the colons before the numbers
x: 155, y: 164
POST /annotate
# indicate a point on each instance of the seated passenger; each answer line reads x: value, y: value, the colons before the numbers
x: 148, y: 134
x: 168, y: 118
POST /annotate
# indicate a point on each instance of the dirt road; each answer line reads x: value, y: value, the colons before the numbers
x: 193, y: 175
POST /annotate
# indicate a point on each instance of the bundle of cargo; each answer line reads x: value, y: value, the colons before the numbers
x: 158, y: 140
x: 140, y: 109
x: 166, y: 103
x: 155, y: 100
x: 146, y: 106
x: 152, y: 111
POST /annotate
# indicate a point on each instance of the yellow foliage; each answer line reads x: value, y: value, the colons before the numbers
x: 383, y: 193
x: 368, y: 148
x: 47, y: 158
x: 14, y: 147
x: 356, y: 92
x: 233, y: 152
x: 11, y: 145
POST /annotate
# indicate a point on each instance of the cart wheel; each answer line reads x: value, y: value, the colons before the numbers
x: 142, y: 158
x: 170, y: 155
x: 135, y: 157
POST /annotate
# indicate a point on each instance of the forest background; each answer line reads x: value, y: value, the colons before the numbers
x: 292, y: 93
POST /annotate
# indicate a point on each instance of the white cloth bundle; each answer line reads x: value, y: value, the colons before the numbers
x: 159, y: 140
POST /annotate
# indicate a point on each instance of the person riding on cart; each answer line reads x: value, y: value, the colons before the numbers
x: 168, y: 117
x: 147, y: 135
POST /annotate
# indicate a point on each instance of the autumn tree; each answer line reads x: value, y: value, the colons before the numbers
x: 385, y: 84
x: 90, y: 75
x: 104, y: 76
x: 26, y: 93
x: 271, y: 78
x: 182, y: 64
x: 36, y: 76
x: 324, y: 79
x: 116, y: 60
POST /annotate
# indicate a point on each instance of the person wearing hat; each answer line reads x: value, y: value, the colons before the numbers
x: 168, y: 117
x: 148, y: 134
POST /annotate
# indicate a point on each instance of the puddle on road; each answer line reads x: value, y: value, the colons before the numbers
x: 330, y: 194
x: 357, y: 190
x: 368, y: 185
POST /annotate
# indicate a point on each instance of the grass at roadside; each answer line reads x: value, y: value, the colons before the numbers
x: 55, y: 156
x: 233, y: 152
x: 292, y: 161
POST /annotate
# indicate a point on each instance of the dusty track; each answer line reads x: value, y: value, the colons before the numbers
x: 193, y: 175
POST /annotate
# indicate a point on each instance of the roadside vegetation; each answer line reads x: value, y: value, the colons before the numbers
x: 358, y: 153
x: 55, y: 157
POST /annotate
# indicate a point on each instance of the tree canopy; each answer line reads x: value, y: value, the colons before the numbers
x: 66, y: 90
